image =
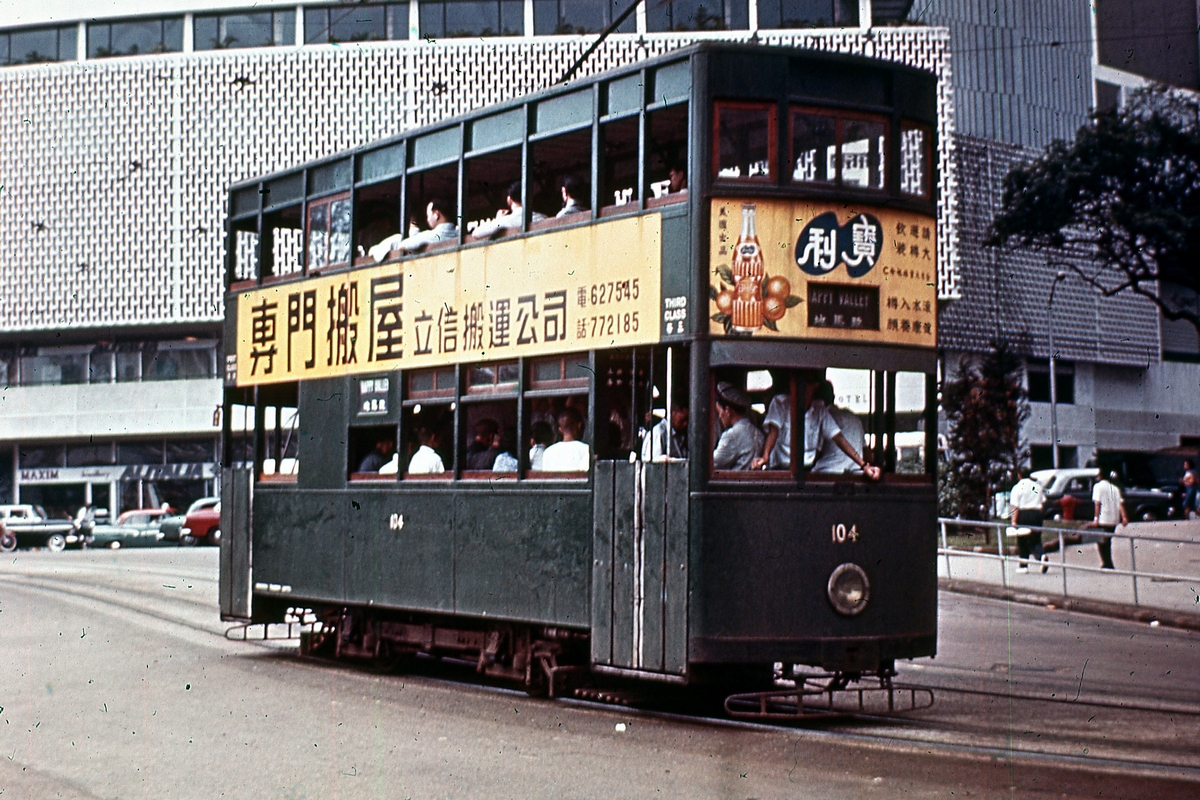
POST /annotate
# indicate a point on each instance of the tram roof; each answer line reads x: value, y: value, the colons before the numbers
x: 747, y: 48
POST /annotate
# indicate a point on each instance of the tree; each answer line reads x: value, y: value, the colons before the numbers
x: 1120, y: 206
x: 985, y: 405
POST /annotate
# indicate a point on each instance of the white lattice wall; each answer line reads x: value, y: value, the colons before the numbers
x: 114, y: 172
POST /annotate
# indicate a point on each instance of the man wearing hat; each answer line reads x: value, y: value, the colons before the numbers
x: 741, y: 440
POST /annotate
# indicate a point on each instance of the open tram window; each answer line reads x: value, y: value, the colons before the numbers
x: 492, y: 207
x: 666, y: 155
x: 376, y: 216
x: 432, y: 208
x: 556, y: 417
x: 372, y: 450
x: 619, y: 166
x: 427, y: 422
x: 906, y: 421
x: 661, y: 403
x: 623, y: 402
x: 744, y: 140
x: 284, y: 232
x: 561, y: 163
x: 489, y: 421
x: 833, y: 148
x: 279, y: 437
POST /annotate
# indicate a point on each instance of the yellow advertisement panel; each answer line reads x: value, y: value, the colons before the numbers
x: 577, y: 289
x: 821, y: 271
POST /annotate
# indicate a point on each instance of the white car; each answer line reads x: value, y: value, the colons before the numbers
x: 27, y: 526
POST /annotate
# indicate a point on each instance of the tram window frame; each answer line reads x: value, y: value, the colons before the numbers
x: 925, y: 166
x: 660, y: 173
x: 376, y: 215
x: 840, y: 119
x: 619, y: 155
x: 558, y: 399
x: 286, y: 257
x: 544, y: 177
x: 499, y: 400
x: 361, y: 440
x: 772, y: 125
x: 325, y: 205
x: 243, y: 255
x: 740, y: 374
x: 418, y: 194
x: 440, y: 395
x: 505, y: 162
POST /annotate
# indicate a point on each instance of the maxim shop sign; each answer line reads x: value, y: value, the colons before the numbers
x: 144, y: 472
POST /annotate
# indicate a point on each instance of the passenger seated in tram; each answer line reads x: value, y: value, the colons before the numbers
x: 481, y: 453
x: 740, y: 439
x: 821, y: 431
x: 505, y: 460
x: 571, y: 454
x: 507, y: 219
x: 832, y: 457
x: 438, y: 214
x: 668, y: 439
x: 574, y: 197
x: 541, y: 437
x: 676, y: 178
x: 378, y: 457
x: 426, y: 461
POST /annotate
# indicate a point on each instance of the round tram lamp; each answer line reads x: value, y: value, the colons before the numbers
x: 849, y: 589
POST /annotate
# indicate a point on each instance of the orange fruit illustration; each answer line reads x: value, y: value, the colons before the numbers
x: 778, y: 286
x: 725, y: 302
x: 774, y: 307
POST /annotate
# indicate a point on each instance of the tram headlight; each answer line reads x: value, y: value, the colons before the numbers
x: 849, y: 589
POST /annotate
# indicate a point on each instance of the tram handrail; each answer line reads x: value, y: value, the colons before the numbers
x: 1002, y: 556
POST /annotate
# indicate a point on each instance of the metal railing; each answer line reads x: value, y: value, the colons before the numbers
x: 1066, y: 537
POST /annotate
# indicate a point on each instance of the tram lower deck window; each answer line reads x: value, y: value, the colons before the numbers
x: 372, y: 452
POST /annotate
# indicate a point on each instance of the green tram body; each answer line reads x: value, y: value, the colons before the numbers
x: 663, y: 571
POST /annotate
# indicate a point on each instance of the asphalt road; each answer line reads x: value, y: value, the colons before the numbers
x: 120, y: 684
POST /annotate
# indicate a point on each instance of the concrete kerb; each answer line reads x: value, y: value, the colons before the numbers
x: 1083, y: 605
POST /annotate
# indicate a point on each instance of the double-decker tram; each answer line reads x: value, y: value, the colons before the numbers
x: 631, y: 378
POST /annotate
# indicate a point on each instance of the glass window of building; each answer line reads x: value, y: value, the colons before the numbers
x: 360, y: 22
x: 250, y: 29
x: 135, y: 37
x: 183, y: 359
x: 459, y: 18
x: 807, y: 13
x: 37, y: 45
x: 580, y: 16
x: 697, y: 15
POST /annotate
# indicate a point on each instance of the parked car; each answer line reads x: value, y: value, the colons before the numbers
x: 172, y: 525
x: 137, y: 528
x: 28, y: 526
x: 203, y: 525
x: 1074, y: 485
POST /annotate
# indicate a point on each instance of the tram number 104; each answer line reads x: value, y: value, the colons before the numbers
x: 841, y: 533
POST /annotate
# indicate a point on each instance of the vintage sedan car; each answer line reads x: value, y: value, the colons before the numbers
x: 203, y: 525
x: 173, y: 525
x: 1068, y: 495
x: 28, y: 526
x: 137, y: 528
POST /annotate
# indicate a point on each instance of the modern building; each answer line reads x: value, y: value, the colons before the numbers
x: 1025, y: 74
x: 124, y: 124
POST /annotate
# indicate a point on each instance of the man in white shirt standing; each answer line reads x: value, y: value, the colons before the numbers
x: 439, y: 214
x: 1110, y: 511
x: 1026, y: 502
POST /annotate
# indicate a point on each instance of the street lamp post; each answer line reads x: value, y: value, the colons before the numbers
x: 1061, y: 276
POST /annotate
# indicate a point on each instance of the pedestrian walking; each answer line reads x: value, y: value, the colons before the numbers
x: 1027, y: 513
x: 1190, y: 485
x: 1110, y: 511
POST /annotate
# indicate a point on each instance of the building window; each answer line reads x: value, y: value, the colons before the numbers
x: 259, y: 29
x: 807, y: 13
x: 359, y: 22
x: 1039, y: 381
x: 38, y: 45
x: 184, y: 359
x: 580, y: 16
x: 697, y: 15
x: 135, y: 37
x: 458, y: 18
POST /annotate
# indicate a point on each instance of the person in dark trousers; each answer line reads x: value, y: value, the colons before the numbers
x: 1110, y: 511
x: 1027, y: 513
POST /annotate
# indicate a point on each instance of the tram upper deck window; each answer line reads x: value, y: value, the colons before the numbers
x: 744, y: 140
x: 329, y: 215
x: 618, y: 166
x: 666, y: 155
x: 697, y: 15
x: 828, y: 148
x: 560, y: 159
x: 492, y: 207
x: 915, y: 159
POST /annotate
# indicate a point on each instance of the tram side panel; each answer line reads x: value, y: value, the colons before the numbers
x: 764, y: 564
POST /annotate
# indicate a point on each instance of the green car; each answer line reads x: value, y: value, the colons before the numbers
x: 139, y: 528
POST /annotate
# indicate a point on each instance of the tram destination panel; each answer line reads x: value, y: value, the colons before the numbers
x: 571, y: 290
x: 796, y: 269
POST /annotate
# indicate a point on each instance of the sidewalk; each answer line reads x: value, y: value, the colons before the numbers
x: 1171, y: 602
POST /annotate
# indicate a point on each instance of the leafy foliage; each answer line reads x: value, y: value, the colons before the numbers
x: 985, y: 405
x: 1123, y: 200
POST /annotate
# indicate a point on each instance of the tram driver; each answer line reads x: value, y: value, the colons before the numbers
x: 439, y: 214
x: 740, y: 438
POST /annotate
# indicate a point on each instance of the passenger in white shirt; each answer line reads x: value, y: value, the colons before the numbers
x: 426, y: 460
x: 574, y: 197
x: 507, y: 219
x: 438, y: 213
x: 1110, y: 510
x: 541, y: 438
x: 569, y: 455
